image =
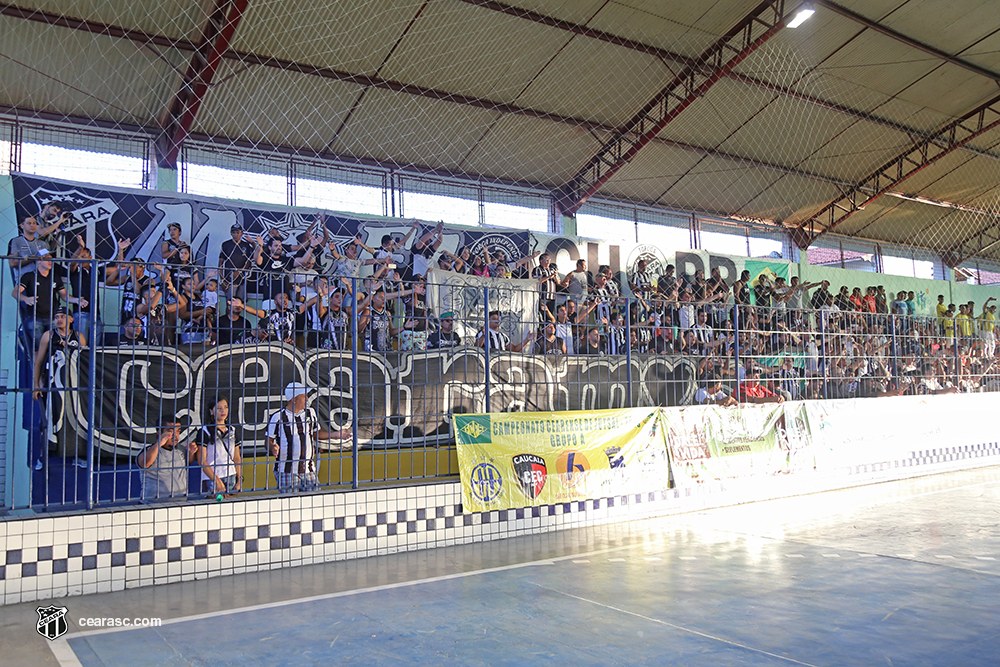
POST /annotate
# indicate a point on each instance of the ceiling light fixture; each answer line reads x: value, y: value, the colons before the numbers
x: 801, y: 16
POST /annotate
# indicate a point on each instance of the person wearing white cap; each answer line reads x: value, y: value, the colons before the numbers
x: 292, y: 433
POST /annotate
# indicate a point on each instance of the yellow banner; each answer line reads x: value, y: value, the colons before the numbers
x: 520, y: 459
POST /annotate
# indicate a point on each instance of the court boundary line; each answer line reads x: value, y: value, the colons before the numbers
x: 66, y: 656
x: 676, y: 627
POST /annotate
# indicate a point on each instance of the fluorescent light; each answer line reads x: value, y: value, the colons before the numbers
x: 801, y: 17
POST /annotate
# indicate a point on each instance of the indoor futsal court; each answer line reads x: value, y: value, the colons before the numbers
x: 899, y: 573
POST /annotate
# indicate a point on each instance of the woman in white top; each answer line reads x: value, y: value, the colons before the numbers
x: 220, y: 458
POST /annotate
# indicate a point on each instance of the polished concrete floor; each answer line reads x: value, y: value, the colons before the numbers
x: 903, y: 573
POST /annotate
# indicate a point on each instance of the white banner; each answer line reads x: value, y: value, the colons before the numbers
x: 463, y: 295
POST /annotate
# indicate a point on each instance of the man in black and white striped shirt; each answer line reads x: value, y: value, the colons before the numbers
x: 292, y: 434
x: 499, y: 341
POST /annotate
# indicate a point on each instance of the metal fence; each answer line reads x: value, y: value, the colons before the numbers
x: 116, y: 360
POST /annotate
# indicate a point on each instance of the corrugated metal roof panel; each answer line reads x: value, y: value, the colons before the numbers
x: 479, y: 39
x: 789, y: 198
x: 713, y: 117
x: 350, y: 36
x: 880, y: 63
x: 598, y: 81
x: 281, y: 108
x: 574, y: 11
x: 680, y: 27
x: 177, y: 19
x: 655, y: 169
x: 856, y: 152
x: 413, y: 130
x: 82, y: 74
x: 950, y: 90
x: 523, y: 148
x: 956, y: 24
x: 961, y: 177
x: 786, y: 132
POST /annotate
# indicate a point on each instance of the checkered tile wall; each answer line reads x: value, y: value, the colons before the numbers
x: 58, y: 556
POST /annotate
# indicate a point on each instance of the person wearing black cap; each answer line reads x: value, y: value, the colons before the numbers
x: 53, y: 353
x: 172, y: 244
x: 235, y: 258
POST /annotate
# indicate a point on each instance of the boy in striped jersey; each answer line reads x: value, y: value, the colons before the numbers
x: 292, y: 433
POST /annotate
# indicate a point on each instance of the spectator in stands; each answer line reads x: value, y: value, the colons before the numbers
x: 172, y: 243
x: 789, y: 381
x: 132, y: 333
x: 36, y: 293
x: 548, y: 279
x: 911, y: 304
x: 348, y: 264
x: 940, y: 310
x: 963, y: 323
x: 193, y: 322
x: 53, y: 221
x: 25, y: 249
x: 564, y: 326
x: 160, y: 321
x: 182, y: 266
x: 281, y: 319
x: 576, y: 283
x: 237, y: 257
x: 640, y: 282
x: 662, y: 341
x: 52, y: 358
x: 881, y: 301
x: 375, y: 324
x: 617, y: 335
x: 547, y: 342
x: 292, y: 435
x: 79, y: 281
x: 899, y: 304
x: 219, y: 452
x: 165, y: 463
x: 233, y: 326
x: 259, y: 335
x: 987, y: 327
x: 593, y: 344
x: 277, y: 267
x: 949, y: 322
x: 445, y: 336
x: 750, y: 390
x: 711, y: 393
x: 425, y: 247
x: 498, y: 340
x: 131, y: 277
x: 821, y: 296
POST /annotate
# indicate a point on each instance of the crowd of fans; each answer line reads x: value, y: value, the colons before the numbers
x: 756, y: 338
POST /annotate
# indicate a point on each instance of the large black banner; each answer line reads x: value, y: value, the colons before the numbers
x: 403, y: 399
x: 104, y: 216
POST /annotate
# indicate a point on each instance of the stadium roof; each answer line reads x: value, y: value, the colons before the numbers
x: 877, y: 119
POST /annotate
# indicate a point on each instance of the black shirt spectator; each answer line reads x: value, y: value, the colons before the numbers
x: 446, y: 336
x: 37, y: 290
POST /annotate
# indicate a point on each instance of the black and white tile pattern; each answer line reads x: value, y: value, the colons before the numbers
x: 58, y: 556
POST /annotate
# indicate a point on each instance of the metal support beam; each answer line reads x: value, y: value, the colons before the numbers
x: 159, y: 41
x: 909, y: 41
x: 918, y: 157
x: 691, y: 83
x: 217, y: 35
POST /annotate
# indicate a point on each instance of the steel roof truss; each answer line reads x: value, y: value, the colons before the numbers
x: 920, y: 156
x: 693, y: 82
